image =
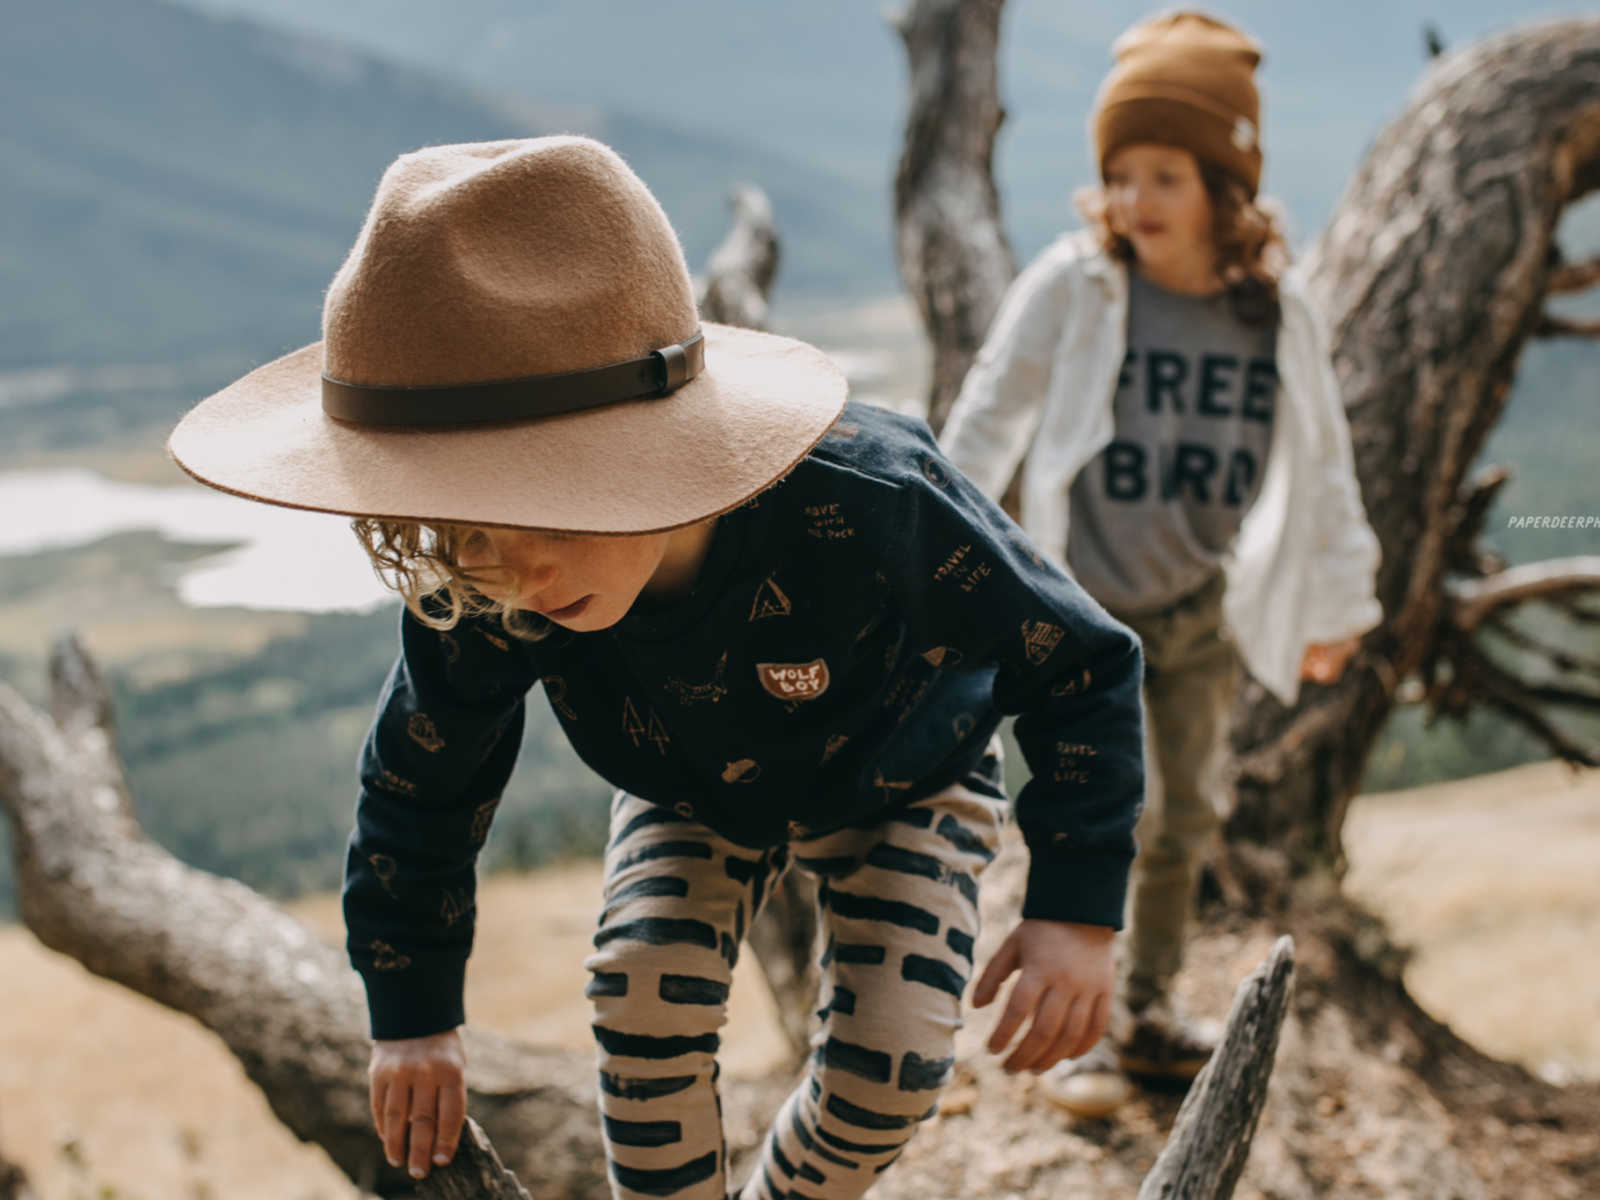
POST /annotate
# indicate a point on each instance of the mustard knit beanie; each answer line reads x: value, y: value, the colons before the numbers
x: 1184, y: 79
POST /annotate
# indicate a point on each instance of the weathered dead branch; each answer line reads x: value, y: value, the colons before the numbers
x: 1210, y: 1141
x: 740, y: 271
x: 954, y: 257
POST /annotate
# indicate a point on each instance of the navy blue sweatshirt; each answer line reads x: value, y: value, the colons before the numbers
x: 854, y: 636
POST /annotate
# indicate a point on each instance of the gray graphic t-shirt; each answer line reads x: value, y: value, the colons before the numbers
x: 1154, y: 512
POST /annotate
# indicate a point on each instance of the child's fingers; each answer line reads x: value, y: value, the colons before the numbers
x: 452, y: 1112
x: 396, y: 1109
x: 1006, y: 960
x: 377, y: 1090
x: 1066, y: 1035
x: 1073, y: 1039
x: 422, y: 1126
x: 1099, y: 1023
x: 1048, y: 1016
x: 1023, y: 1000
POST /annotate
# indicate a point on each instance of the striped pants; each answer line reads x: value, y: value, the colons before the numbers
x: 899, y: 906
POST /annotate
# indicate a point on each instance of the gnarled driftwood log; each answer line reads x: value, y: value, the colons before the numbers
x: 1433, y: 274
x: 90, y: 885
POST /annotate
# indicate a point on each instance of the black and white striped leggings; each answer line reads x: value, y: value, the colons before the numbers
x: 899, y: 906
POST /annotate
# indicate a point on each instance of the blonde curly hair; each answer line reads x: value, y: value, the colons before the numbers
x: 422, y: 562
x: 1252, y: 252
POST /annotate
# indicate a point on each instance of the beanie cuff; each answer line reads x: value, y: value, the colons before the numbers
x: 1175, y: 116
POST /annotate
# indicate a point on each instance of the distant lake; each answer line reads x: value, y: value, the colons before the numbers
x: 283, y: 559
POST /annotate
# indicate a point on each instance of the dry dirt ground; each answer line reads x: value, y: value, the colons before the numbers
x: 104, y: 1095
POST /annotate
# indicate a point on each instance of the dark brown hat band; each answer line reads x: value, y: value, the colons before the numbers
x: 656, y: 374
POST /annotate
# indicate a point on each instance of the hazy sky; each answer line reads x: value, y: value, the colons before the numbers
x: 825, y: 80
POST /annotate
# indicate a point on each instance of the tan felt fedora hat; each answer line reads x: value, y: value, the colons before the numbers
x: 513, y: 341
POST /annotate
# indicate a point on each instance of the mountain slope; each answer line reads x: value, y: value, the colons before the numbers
x: 180, y: 184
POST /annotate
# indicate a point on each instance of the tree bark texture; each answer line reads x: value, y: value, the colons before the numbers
x: 954, y: 257
x: 476, y: 1173
x: 287, y: 1004
x: 1431, y: 276
x: 741, y: 269
x: 1210, y: 1141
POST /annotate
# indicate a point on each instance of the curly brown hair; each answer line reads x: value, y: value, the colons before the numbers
x: 422, y: 562
x: 1252, y: 252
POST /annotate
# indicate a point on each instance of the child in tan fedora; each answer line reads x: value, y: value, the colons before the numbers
x: 784, y: 627
x: 1168, y: 383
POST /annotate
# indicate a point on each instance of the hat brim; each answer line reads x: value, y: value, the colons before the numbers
x: 638, y: 466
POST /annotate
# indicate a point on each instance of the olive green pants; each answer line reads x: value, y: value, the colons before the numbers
x: 1191, y: 673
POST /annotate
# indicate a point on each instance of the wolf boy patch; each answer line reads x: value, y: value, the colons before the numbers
x: 794, y: 681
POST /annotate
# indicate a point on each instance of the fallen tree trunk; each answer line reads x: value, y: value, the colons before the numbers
x: 290, y: 1009
x: 288, y: 1006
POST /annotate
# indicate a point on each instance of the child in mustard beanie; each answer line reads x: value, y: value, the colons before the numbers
x: 1162, y: 376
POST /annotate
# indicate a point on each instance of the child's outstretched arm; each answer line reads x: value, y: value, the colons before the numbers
x: 440, y: 752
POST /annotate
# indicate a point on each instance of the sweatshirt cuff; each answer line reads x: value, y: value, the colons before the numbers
x: 1089, y: 887
x: 423, y: 1000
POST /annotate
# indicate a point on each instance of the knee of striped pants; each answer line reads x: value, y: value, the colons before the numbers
x: 830, y: 1145
x: 657, y: 1012
x: 852, y: 1117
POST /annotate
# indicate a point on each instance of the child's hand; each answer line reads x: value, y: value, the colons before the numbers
x: 1324, y: 662
x: 1065, y: 986
x: 419, y: 1095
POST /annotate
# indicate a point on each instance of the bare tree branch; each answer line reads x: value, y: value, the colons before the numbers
x: 1475, y: 600
x: 740, y: 271
x: 1464, y: 552
x: 1575, y: 608
x: 1552, y: 326
x: 1573, y: 277
x: 954, y: 256
x: 1210, y: 1142
x: 1558, y: 657
x: 1476, y: 679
